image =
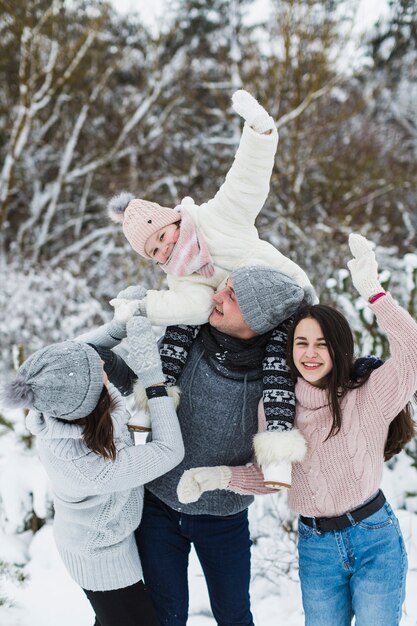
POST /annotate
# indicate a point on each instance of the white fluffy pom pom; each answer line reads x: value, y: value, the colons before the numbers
x: 117, y: 206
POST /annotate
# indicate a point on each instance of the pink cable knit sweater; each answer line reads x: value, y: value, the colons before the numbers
x: 339, y: 474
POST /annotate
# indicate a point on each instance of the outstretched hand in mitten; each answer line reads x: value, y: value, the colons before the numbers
x: 364, y: 267
x: 252, y: 112
x: 129, y: 302
x: 197, y: 480
x: 124, y: 309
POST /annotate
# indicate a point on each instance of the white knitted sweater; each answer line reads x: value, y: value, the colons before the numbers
x: 98, y: 503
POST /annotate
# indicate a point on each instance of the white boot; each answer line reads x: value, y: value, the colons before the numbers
x: 140, y: 420
x: 277, y: 475
x: 275, y: 451
x: 140, y: 423
x: 138, y: 407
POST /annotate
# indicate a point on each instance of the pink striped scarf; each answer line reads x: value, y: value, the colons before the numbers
x: 190, y: 254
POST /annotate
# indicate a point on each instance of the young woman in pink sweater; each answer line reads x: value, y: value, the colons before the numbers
x: 352, y: 558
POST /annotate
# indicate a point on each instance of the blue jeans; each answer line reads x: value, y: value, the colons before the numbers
x: 360, y: 570
x: 222, y: 545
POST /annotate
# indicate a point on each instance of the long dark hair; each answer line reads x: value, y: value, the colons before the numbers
x: 340, y: 344
x: 98, y: 427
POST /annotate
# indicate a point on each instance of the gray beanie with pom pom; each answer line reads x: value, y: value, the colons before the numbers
x: 64, y: 380
x: 267, y: 297
x: 140, y: 218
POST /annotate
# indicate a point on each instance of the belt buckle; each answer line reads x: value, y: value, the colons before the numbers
x: 317, y: 525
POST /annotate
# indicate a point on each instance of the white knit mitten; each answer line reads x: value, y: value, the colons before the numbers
x: 249, y: 108
x: 143, y: 355
x: 363, y: 267
x: 124, y: 310
x: 129, y: 302
x: 195, y: 481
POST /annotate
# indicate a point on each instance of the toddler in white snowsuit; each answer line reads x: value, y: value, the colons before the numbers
x: 199, y: 246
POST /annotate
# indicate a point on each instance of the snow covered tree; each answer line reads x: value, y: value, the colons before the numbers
x: 393, y: 50
x: 340, y: 166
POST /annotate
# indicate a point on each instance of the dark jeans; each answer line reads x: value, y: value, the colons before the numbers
x: 222, y: 545
x: 130, y: 606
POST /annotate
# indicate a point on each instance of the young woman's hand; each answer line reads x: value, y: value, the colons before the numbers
x: 195, y: 481
x: 363, y: 267
x: 143, y: 355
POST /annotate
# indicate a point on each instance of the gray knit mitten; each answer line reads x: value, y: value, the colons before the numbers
x: 143, y: 355
x: 249, y: 108
x: 133, y: 292
x: 364, y: 267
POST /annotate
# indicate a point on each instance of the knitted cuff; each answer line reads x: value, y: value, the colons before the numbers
x: 368, y: 288
x: 225, y: 476
x: 117, y: 329
x: 248, y: 480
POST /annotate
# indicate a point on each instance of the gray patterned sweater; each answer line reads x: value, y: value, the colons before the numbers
x: 218, y: 418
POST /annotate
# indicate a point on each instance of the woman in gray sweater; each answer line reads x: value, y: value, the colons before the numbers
x: 96, y: 471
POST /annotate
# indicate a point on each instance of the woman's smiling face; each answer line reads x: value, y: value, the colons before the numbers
x: 310, y: 352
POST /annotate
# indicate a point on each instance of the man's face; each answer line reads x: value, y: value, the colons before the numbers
x: 226, y: 315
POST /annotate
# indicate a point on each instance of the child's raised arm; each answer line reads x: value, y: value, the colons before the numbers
x: 246, y: 186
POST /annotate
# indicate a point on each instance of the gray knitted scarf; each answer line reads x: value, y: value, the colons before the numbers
x: 233, y: 353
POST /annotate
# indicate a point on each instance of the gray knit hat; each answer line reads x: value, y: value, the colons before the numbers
x: 63, y: 380
x: 267, y: 297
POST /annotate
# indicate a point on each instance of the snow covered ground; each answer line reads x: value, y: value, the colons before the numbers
x: 50, y: 597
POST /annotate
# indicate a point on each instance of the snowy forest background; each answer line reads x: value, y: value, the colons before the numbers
x: 92, y: 102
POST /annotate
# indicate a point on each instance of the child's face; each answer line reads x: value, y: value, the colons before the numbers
x: 310, y: 353
x: 159, y: 245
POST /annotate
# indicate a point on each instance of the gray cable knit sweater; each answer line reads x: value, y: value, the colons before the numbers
x: 218, y: 418
x: 98, y: 503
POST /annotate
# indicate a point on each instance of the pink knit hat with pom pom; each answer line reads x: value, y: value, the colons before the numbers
x: 140, y: 218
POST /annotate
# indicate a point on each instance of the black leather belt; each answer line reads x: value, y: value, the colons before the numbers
x: 325, y: 524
